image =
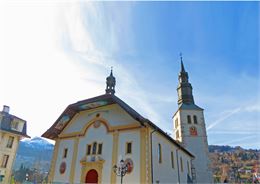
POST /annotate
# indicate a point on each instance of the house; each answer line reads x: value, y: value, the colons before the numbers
x: 12, y: 130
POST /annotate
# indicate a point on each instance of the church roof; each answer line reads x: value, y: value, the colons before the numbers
x: 185, y: 106
x: 99, y: 101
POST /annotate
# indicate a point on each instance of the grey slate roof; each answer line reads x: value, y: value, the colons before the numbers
x: 5, y: 124
x: 185, y: 106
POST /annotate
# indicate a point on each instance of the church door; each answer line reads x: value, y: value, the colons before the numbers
x: 92, y: 176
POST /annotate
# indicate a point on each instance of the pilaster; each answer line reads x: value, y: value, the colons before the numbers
x: 114, y: 155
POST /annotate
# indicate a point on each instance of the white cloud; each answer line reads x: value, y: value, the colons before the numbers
x: 253, y: 108
x: 239, y: 140
x: 51, y: 58
x: 39, y: 80
x: 224, y: 117
x: 94, y: 60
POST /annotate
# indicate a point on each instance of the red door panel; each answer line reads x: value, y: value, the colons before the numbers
x: 92, y: 176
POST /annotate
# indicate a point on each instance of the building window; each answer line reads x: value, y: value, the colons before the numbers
x: 159, y: 153
x: 5, y: 161
x: 176, y: 123
x: 177, y: 134
x: 94, y: 149
x: 188, y: 166
x: 65, y: 153
x: 88, y: 149
x: 172, y: 159
x: 189, y: 119
x: 100, y: 149
x: 10, y: 142
x: 14, y: 125
x: 181, y: 164
x: 195, y: 119
x: 128, y: 148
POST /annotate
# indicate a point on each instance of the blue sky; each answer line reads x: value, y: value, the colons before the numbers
x: 71, y: 46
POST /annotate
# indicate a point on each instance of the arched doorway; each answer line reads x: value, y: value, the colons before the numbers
x: 92, y: 176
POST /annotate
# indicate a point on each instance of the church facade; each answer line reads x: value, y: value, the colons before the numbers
x: 94, y: 135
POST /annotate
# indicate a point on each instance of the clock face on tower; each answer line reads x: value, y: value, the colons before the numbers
x: 193, y: 131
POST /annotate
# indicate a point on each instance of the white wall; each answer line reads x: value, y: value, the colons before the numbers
x: 65, y: 176
x: 113, y: 113
x: 115, y: 116
x: 98, y: 135
x: 197, y: 145
x: 178, y: 128
x: 163, y: 172
x: 134, y: 137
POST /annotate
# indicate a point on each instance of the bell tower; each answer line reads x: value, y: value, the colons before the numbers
x: 190, y: 130
x: 111, y: 82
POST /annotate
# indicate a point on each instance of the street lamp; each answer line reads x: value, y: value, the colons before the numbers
x: 121, y: 169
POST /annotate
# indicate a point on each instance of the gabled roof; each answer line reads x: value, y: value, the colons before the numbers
x: 96, y: 102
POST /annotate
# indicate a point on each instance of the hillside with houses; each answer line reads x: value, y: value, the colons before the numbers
x: 234, y: 164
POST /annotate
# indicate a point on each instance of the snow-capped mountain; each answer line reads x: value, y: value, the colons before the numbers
x: 34, y: 153
x: 36, y: 142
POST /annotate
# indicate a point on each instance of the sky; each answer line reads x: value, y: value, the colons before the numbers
x: 54, y: 53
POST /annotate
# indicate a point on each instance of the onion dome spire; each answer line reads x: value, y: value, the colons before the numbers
x: 111, y: 82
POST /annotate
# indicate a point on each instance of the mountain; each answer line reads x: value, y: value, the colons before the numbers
x: 226, y: 148
x: 34, y: 153
x: 216, y: 148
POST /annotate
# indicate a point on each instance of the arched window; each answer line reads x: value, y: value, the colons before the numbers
x: 176, y: 123
x: 172, y: 159
x: 128, y: 148
x: 159, y: 153
x: 94, y: 149
x: 88, y: 149
x: 195, y: 119
x: 177, y: 134
x: 65, y: 153
x: 181, y: 164
x: 100, y: 149
x: 189, y: 119
x: 188, y: 167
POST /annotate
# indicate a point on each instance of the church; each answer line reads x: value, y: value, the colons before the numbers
x: 104, y: 140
